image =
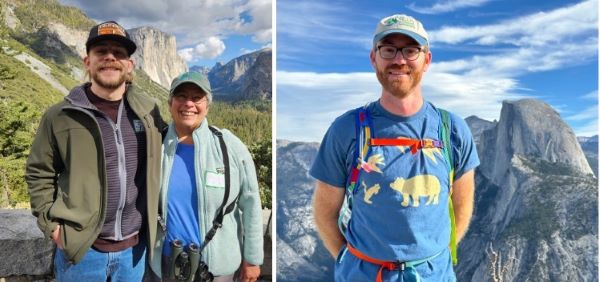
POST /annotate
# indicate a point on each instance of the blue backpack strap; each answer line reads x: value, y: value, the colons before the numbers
x: 361, y: 151
x: 444, y: 131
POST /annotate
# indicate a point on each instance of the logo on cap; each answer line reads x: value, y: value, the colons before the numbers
x: 111, y: 28
x: 405, y: 21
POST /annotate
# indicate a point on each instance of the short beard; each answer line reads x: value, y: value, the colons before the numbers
x: 112, y: 85
x: 396, y: 88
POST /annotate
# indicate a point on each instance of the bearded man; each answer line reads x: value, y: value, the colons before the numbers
x: 388, y: 172
x: 93, y: 171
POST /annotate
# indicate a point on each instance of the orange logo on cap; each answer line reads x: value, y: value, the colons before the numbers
x: 110, y: 28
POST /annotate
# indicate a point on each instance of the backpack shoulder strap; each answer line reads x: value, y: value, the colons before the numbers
x: 445, y: 130
x: 361, y: 150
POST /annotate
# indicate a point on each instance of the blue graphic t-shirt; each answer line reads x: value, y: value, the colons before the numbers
x: 400, y: 207
x: 182, y: 200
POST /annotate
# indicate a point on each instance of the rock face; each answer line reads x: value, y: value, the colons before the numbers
x: 530, y: 128
x: 478, y: 125
x: 301, y: 255
x: 589, y: 145
x: 157, y: 55
x: 536, y: 202
x: 73, y: 38
x: 245, y: 77
x: 24, y: 249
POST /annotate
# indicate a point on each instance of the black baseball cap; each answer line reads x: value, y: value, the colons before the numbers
x: 110, y: 30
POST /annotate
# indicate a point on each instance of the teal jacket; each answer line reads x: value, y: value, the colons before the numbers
x: 224, y: 253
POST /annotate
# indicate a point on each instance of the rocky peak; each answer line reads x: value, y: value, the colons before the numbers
x: 530, y: 128
x: 478, y: 126
x: 247, y: 76
x: 157, y: 55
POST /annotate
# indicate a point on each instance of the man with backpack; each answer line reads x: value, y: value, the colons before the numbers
x: 395, y: 178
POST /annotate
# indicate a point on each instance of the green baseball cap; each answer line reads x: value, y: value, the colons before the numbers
x: 196, y: 78
x: 402, y: 24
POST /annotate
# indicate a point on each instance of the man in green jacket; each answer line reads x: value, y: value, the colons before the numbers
x: 93, y: 172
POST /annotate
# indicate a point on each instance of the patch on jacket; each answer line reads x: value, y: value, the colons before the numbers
x: 138, y: 126
x: 215, y: 180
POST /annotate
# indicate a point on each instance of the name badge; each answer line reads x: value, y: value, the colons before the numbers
x: 215, y: 180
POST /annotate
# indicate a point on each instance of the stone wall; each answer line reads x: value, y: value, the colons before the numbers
x: 27, y: 255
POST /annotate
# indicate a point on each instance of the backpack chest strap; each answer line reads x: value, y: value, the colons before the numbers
x: 414, y: 144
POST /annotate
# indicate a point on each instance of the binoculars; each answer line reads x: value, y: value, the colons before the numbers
x: 186, y: 265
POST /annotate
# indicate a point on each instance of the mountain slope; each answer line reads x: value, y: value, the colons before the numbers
x: 303, y: 256
x: 245, y: 77
x: 536, y: 202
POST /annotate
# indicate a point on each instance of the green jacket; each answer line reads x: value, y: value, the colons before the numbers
x: 65, y: 172
x: 224, y: 253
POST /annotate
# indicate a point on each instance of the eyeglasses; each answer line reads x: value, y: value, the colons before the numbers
x: 119, y: 53
x: 195, y: 99
x: 409, y: 53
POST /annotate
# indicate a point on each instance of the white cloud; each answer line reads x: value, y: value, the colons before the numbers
x: 543, y: 29
x: 263, y: 36
x: 321, y: 24
x: 587, y: 129
x: 261, y: 25
x: 447, y: 6
x: 190, y: 20
x: 308, y: 102
x: 187, y: 54
x: 591, y: 96
x: 587, y: 114
x: 210, y: 48
x: 244, y: 51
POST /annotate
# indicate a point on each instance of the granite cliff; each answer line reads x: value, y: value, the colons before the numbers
x: 245, y: 77
x: 157, y: 55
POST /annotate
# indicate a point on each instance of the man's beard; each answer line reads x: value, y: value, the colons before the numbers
x: 397, y: 88
x: 109, y: 84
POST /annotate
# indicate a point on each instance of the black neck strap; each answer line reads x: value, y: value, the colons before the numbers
x: 222, y: 211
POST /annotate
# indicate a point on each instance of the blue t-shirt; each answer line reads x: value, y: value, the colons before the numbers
x: 182, y: 200
x: 400, y: 208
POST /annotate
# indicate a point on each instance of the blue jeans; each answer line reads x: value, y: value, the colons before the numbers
x: 126, y: 265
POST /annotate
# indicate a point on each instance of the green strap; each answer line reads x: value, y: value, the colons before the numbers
x: 445, y: 136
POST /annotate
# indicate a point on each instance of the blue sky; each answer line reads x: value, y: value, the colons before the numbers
x: 484, y: 52
x: 207, y: 31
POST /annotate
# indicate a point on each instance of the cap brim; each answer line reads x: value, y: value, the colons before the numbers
x: 420, y: 39
x: 179, y: 83
x: 127, y: 43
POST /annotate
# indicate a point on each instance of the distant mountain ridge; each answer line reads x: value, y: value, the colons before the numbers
x: 246, y: 77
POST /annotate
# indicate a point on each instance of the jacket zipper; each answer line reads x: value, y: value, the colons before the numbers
x: 103, y: 193
x: 122, y: 168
